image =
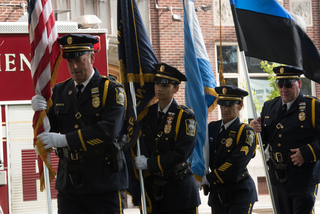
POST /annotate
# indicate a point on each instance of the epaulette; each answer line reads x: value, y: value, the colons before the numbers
x: 185, y: 108
x: 312, y: 97
x: 63, y: 81
x: 278, y: 97
x: 112, y: 79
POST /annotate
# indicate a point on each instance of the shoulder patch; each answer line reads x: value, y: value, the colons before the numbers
x: 191, y: 126
x: 250, y: 137
x: 120, y: 95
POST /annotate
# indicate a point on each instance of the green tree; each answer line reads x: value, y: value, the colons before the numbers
x: 268, y: 68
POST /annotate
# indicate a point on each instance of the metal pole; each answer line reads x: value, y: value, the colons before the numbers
x: 48, y: 190
x: 143, y: 197
x: 258, y: 134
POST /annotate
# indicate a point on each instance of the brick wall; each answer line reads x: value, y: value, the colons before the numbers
x: 11, y: 13
x: 168, y: 38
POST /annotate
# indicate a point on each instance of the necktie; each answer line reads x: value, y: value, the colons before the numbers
x: 284, y: 110
x: 79, y: 87
x: 222, y: 129
x: 160, y: 117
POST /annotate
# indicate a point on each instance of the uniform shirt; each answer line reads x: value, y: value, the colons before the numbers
x: 103, y: 117
x: 300, y: 129
x: 176, y: 144
x: 237, y: 146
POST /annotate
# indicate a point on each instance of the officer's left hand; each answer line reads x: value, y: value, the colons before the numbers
x: 141, y: 162
x: 297, y: 157
x: 51, y: 139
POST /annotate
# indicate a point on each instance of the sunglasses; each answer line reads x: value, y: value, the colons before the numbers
x: 287, y: 85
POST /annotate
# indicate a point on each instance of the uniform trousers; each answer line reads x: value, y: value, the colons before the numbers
x: 295, y: 200
x: 238, y: 208
x: 99, y: 203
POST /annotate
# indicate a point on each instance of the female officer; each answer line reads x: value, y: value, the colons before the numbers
x: 232, y: 145
x: 171, y: 186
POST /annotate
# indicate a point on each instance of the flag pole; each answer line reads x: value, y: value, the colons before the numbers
x: 48, y: 190
x: 258, y: 134
x: 143, y: 197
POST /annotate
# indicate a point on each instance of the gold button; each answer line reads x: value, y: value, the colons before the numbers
x: 57, y: 112
x: 214, y: 182
x: 157, y: 151
x: 215, y: 151
x: 265, y: 124
x: 279, y: 144
x: 97, y: 114
x: 144, y: 135
x: 106, y: 158
x: 166, y: 138
x: 301, y: 126
x: 228, y: 150
x: 280, y: 135
x: 76, y: 126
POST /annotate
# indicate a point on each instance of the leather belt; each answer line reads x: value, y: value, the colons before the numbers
x: 65, y: 152
x: 280, y: 157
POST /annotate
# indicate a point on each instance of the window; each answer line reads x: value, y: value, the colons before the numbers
x: 234, y: 74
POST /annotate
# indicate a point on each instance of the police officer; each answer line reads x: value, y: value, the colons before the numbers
x: 86, y: 116
x: 290, y: 130
x: 232, y: 145
x: 169, y: 133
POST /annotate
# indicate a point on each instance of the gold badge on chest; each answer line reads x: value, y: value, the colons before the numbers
x: 229, y: 142
x: 302, y: 116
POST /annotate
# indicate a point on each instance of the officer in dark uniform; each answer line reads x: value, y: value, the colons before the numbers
x: 86, y: 117
x: 170, y: 186
x: 232, y: 145
x: 290, y: 131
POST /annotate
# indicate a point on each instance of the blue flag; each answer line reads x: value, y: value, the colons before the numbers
x: 136, y: 63
x: 199, y: 92
x: 267, y: 31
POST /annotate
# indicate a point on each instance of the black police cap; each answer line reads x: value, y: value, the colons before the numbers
x: 229, y: 95
x: 75, y: 45
x: 287, y: 73
x: 168, y: 74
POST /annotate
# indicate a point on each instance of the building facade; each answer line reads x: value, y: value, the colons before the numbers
x: 163, y: 20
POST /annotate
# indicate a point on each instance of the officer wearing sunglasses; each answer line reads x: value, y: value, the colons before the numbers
x: 290, y: 126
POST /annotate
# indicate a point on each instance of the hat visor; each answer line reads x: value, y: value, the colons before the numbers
x: 161, y: 80
x: 285, y: 81
x: 73, y: 55
x: 227, y: 102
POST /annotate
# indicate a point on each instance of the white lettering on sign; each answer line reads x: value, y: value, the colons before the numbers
x: 24, y: 59
x: 10, y: 62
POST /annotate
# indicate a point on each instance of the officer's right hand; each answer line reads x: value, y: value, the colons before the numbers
x: 38, y: 103
x: 256, y: 124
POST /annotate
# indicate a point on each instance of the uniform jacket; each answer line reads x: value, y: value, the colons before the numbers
x: 299, y: 130
x: 231, y: 162
x: 102, y: 126
x: 175, y: 146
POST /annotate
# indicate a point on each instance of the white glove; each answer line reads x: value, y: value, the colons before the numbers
x: 199, y: 185
x: 141, y: 162
x: 205, y: 181
x: 38, y: 103
x: 267, y: 153
x: 51, y: 139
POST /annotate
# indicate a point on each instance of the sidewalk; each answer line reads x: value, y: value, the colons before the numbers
x: 263, y: 206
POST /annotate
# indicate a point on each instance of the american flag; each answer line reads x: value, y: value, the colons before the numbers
x: 45, y: 58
